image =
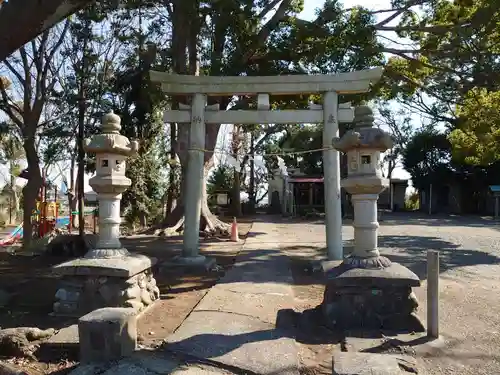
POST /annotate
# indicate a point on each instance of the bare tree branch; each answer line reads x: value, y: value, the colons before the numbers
x: 266, y: 30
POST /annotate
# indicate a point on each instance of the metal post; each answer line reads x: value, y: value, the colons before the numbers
x: 433, y: 293
x: 331, y: 168
x: 496, y: 207
x: 194, y: 179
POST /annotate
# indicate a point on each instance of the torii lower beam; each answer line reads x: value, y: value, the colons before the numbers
x: 314, y: 115
x: 329, y: 85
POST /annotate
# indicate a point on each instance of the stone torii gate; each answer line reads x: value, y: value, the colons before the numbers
x: 198, y: 114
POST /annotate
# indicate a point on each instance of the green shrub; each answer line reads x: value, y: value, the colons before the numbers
x: 412, y: 202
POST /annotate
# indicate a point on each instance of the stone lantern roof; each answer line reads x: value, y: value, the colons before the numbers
x: 364, y: 135
x: 110, y: 140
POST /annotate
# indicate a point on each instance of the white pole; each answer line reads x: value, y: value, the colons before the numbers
x: 331, y: 168
x: 433, y: 293
x: 194, y: 179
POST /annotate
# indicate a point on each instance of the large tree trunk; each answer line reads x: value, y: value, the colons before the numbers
x: 185, y: 31
x: 14, y: 195
x: 252, y: 194
x: 209, y: 223
x: 236, y: 194
x: 71, y: 193
x: 171, y: 175
x: 31, y: 189
x: 75, y: 219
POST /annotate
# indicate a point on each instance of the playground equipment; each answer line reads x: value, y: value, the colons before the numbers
x: 45, y: 218
x: 17, y: 232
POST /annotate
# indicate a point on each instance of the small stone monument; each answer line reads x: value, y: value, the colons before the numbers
x: 107, y: 276
x: 367, y: 290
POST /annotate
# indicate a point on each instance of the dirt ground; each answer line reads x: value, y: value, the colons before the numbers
x: 29, y: 280
x: 315, y: 358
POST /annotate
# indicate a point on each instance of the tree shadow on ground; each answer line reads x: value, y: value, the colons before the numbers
x: 411, y: 251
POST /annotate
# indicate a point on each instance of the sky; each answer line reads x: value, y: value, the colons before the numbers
x: 308, y: 13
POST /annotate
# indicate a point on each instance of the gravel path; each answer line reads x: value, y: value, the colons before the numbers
x: 469, y: 285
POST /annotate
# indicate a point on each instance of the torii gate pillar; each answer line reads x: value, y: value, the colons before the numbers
x: 331, y: 172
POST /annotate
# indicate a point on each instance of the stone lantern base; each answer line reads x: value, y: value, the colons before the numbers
x: 370, y: 294
x: 91, y: 283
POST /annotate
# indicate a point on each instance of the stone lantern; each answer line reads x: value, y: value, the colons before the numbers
x: 108, y: 275
x: 111, y: 150
x: 367, y: 289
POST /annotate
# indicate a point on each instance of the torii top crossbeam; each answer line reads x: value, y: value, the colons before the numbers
x: 341, y: 83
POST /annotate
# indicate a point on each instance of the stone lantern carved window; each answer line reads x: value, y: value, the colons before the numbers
x: 104, y: 163
x: 119, y: 164
x: 366, y: 159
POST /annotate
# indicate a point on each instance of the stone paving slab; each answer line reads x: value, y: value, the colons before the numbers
x: 265, y: 272
x: 148, y: 362
x: 261, y: 306
x: 373, y: 364
x: 236, y: 340
x: 259, y: 275
x: 234, y: 324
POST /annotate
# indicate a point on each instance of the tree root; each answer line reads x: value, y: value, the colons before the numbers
x: 21, y: 341
x: 210, y: 226
x: 214, y: 226
x: 171, y: 230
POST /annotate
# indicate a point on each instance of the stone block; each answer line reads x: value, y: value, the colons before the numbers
x: 371, y: 298
x: 107, y: 334
x: 373, y: 364
x: 125, y: 267
x: 394, y: 275
x: 90, y: 284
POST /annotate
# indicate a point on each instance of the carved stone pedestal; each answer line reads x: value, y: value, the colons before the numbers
x: 88, y: 284
x: 363, y: 294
